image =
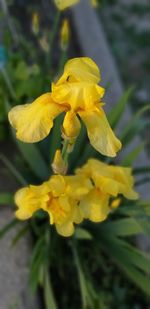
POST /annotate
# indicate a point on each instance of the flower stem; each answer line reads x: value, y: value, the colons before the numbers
x: 65, y: 152
x: 51, y: 40
x: 8, y: 83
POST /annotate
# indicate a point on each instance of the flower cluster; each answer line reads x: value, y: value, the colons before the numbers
x: 90, y: 192
x: 76, y: 93
x: 71, y: 199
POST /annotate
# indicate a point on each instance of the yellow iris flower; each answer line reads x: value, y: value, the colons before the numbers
x: 64, y: 4
x: 108, y: 181
x: 58, y: 197
x: 78, y: 94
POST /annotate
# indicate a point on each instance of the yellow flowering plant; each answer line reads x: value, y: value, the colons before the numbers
x: 81, y: 206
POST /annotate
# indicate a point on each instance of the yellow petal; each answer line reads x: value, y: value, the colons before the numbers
x: 95, y: 206
x: 115, y: 203
x: 123, y: 176
x: 82, y: 69
x: 66, y: 229
x: 71, y: 125
x: 34, y: 121
x: 29, y: 200
x: 57, y: 185
x: 77, y: 95
x: 63, y: 4
x: 109, y: 179
x: 100, y: 133
x: 77, y: 186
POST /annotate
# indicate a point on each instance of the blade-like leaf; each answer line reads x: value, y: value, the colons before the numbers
x: 50, y: 302
x: 8, y: 227
x: 6, y: 199
x: 13, y: 170
x: 134, y: 126
x: 129, y: 159
x: 33, y: 157
x: 116, y: 112
x: 81, y: 233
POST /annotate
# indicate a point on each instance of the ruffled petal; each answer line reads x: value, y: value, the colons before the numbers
x: 100, y: 133
x: 34, y: 121
x: 95, y: 206
x: 124, y: 179
x: 26, y: 204
x: 77, y: 186
x: 81, y: 69
x: 77, y: 95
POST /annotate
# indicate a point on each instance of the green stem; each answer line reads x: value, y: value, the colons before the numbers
x: 63, y: 59
x: 51, y: 40
x: 65, y: 153
x: 8, y: 83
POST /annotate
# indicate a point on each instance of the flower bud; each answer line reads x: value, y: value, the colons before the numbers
x: 64, y: 34
x: 115, y: 203
x: 35, y: 23
x: 71, y: 125
x: 58, y: 165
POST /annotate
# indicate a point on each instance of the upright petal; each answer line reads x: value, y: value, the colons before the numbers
x: 100, y: 133
x: 34, y: 121
x: 81, y: 69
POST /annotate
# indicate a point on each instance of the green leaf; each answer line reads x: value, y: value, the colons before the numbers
x: 33, y: 157
x: 127, y: 259
x: 129, y: 159
x: 50, y: 302
x: 134, y: 126
x: 13, y: 170
x: 141, y: 170
x: 122, y: 227
x: 6, y: 199
x: 20, y: 234
x: 116, y: 112
x: 37, y: 261
x: 87, y: 301
x: 82, y: 234
x: 8, y: 227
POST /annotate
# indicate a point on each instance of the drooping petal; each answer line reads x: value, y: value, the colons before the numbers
x: 66, y: 229
x: 63, y: 4
x: 34, y: 121
x: 29, y: 200
x: 100, y: 133
x: 77, y: 95
x: 81, y: 69
x: 95, y: 206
